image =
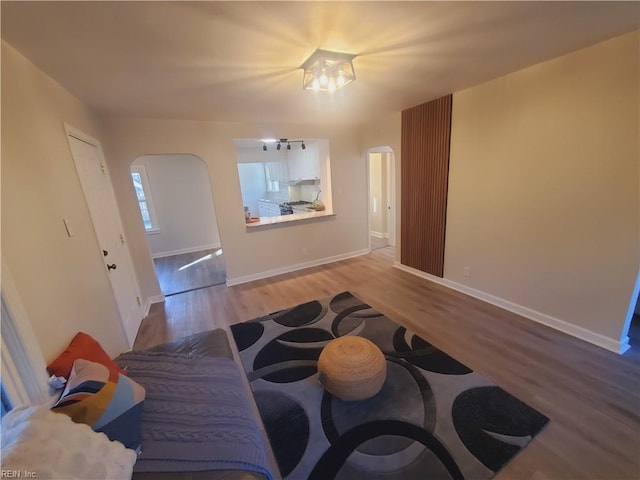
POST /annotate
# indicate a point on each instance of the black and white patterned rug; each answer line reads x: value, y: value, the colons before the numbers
x: 433, y: 419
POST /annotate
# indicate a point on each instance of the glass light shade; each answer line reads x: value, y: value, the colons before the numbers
x: 328, y: 71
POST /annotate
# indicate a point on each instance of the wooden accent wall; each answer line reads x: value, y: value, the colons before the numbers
x: 426, y: 135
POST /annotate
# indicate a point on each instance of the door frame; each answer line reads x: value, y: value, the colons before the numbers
x: 391, y: 194
x: 83, y: 137
x: 23, y: 366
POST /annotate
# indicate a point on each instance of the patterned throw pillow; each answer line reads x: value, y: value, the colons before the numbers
x: 105, y: 400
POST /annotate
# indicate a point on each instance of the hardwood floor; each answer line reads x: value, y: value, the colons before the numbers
x: 591, y: 395
x: 190, y: 271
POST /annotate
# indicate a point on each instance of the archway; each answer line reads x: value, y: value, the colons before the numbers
x: 381, y: 197
x: 176, y: 204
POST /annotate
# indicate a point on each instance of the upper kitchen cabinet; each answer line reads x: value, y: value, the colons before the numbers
x: 304, y: 164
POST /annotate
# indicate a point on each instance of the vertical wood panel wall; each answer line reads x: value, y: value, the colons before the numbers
x: 426, y: 133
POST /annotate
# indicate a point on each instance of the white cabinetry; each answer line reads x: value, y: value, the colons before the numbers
x: 303, y: 164
x: 268, y: 209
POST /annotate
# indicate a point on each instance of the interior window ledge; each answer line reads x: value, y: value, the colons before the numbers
x: 284, y: 220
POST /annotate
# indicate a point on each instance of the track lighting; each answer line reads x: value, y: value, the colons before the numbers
x: 265, y: 141
x: 282, y: 141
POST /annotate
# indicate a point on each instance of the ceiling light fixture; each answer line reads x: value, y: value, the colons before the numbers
x: 287, y: 141
x: 328, y: 71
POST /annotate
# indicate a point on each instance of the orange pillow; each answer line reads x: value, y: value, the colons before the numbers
x: 82, y: 346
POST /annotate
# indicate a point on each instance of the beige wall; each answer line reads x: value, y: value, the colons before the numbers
x: 62, y: 281
x: 544, y: 186
x: 247, y: 253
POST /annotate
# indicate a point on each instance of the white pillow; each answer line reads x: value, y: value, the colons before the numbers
x: 51, y: 445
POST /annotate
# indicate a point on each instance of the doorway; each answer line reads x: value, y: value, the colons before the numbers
x: 381, y: 224
x: 98, y: 192
x: 179, y: 216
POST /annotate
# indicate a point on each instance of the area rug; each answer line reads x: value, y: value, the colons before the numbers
x: 433, y: 419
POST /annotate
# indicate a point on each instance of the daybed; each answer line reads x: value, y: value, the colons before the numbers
x: 196, y: 419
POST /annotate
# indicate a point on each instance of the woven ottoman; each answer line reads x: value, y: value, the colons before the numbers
x: 352, y: 368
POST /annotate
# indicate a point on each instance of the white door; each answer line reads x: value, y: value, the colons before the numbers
x: 98, y: 191
x: 391, y: 228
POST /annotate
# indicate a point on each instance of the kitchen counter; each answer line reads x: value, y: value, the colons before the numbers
x: 289, y: 219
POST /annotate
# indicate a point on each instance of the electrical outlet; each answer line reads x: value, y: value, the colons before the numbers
x: 466, y: 271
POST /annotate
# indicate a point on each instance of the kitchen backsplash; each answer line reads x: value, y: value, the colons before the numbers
x: 304, y: 192
x: 293, y: 193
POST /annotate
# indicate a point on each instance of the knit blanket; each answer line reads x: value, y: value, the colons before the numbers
x: 196, y: 415
x: 37, y: 443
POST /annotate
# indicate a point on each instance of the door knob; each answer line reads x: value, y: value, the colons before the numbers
x: 111, y: 267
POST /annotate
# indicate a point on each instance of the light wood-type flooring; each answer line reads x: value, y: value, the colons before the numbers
x: 591, y: 395
x: 190, y: 271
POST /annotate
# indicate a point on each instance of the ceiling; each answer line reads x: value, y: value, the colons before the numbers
x: 239, y: 61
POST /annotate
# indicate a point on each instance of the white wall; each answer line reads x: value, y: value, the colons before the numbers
x: 62, y: 280
x: 255, y: 155
x: 253, y: 181
x: 544, y: 201
x: 184, y: 205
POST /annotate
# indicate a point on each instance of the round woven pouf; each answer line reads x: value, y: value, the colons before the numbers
x: 352, y: 368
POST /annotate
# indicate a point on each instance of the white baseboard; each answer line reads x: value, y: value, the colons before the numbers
x: 150, y: 301
x: 180, y: 251
x: 378, y: 234
x: 594, y: 338
x: 292, y: 268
